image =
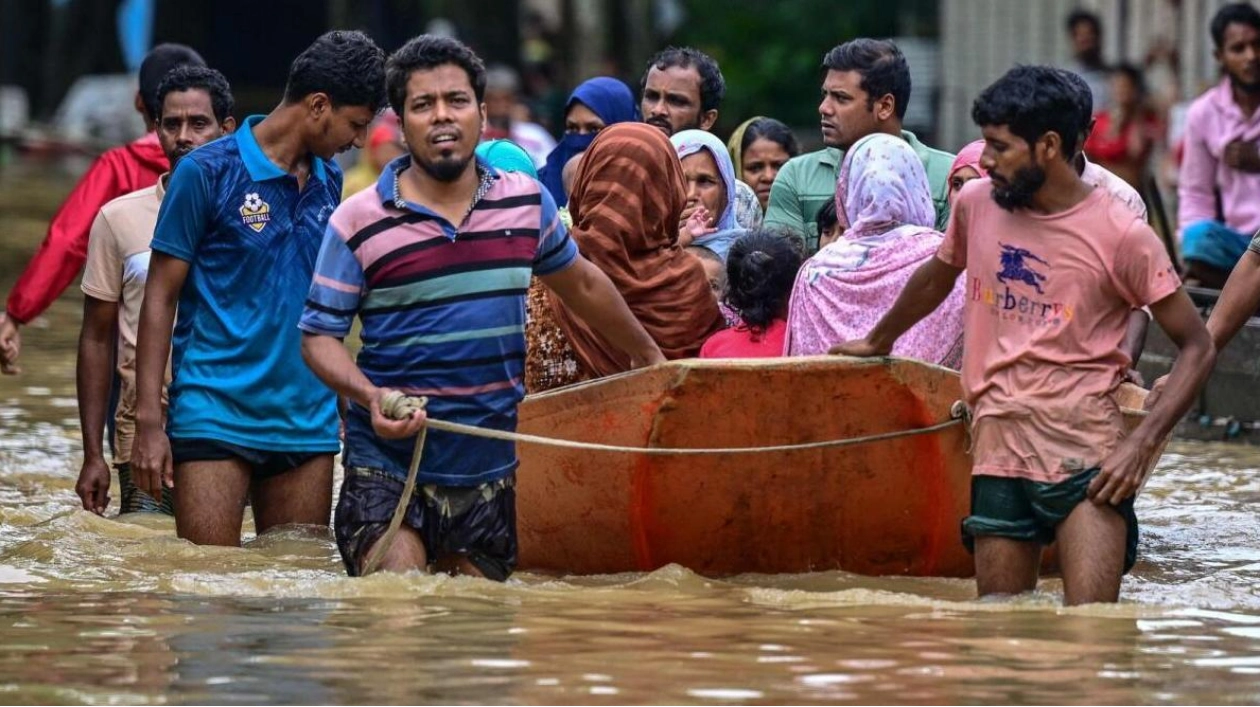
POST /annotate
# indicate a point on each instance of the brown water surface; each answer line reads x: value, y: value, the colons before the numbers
x: 117, y: 610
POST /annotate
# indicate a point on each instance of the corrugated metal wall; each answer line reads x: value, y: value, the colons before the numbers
x: 981, y: 39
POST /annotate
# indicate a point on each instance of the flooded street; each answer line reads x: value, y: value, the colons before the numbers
x: 106, y: 610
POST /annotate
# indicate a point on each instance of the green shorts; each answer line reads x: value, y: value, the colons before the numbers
x: 1030, y: 510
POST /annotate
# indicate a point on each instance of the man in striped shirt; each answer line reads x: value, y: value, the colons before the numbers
x: 436, y: 262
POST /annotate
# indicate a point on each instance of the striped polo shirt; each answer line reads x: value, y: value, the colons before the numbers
x: 443, y: 312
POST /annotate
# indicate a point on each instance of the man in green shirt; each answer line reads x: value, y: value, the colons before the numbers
x: 866, y: 91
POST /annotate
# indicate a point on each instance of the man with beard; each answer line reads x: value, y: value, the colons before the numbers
x: 681, y: 89
x: 866, y: 91
x: 436, y: 262
x: 1054, y: 267
x: 195, y: 107
x: 1221, y: 157
x: 235, y: 245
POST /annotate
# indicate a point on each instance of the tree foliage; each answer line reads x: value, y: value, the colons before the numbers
x: 771, y: 52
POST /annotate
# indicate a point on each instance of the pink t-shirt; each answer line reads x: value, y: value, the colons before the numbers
x: 1048, y: 299
x: 741, y: 342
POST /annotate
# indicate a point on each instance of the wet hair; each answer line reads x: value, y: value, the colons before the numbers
x: 156, y: 65
x: 188, y: 77
x: 772, y: 130
x: 345, y: 65
x: 826, y: 218
x: 1079, y: 16
x: 760, y: 270
x: 1032, y: 101
x: 429, y: 51
x: 1084, y: 103
x: 712, y: 85
x: 1242, y: 13
x: 882, y: 66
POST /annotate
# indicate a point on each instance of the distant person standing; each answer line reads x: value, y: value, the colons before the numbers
x: 1124, y: 135
x: 195, y: 107
x: 1085, y: 31
x: 119, y: 171
x: 235, y: 248
x: 1222, y: 161
x: 503, y: 121
x: 682, y: 89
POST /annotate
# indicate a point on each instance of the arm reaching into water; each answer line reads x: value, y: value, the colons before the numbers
x: 587, y: 291
x: 1122, y: 471
x: 93, y: 375
x: 926, y: 289
x: 151, y: 464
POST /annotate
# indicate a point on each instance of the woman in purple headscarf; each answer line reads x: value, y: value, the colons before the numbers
x: 884, y: 208
x: 593, y: 106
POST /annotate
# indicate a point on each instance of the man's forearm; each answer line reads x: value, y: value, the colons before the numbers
x: 1189, y: 372
x: 153, y: 349
x: 596, y: 301
x: 1238, y: 301
x: 926, y: 289
x: 93, y: 377
x: 328, y: 358
x: 1135, y: 335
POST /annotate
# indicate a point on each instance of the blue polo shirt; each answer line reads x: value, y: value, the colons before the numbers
x: 250, y: 237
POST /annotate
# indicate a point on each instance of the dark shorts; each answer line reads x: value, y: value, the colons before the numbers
x: 1029, y: 510
x: 262, y: 464
x: 136, y: 501
x: 478, y: 522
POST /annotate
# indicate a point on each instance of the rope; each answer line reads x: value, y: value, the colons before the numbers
x: 398, y: 406
x: 674, y: 451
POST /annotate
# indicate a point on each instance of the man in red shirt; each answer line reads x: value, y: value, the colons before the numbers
x: 119, y: 171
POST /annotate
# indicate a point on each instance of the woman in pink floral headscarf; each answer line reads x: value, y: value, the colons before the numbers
x: 884, y: 208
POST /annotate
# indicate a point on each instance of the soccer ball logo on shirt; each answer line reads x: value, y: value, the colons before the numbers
x: 255, y: 212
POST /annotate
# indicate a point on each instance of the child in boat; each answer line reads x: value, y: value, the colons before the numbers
x: 760, y: 270
x: 714, y: 269
x: 1054, y: 267
x: 828, y: 224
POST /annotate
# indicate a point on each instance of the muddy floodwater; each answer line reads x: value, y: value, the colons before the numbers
x: 109, y: 610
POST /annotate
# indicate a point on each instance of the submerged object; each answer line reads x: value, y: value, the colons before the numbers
x: 888, y: 507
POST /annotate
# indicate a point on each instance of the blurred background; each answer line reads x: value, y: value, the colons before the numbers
x: 53, y: 50
x: 67, y: 66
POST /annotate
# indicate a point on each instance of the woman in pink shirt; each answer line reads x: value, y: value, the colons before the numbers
x: 759, y: 272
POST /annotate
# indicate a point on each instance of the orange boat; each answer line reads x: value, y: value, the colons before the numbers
x: 889, y: 507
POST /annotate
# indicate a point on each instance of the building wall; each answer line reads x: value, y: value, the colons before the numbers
x: 981, y: 39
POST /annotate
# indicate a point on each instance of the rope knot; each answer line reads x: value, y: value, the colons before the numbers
x: 398, y: 406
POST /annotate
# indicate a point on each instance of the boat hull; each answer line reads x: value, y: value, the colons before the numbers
x: 880, y: 508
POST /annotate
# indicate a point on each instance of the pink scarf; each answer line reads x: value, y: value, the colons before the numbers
x: 885, y: 206
x: 969, y: 156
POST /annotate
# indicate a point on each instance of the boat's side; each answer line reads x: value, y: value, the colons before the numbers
x: 888, y: 507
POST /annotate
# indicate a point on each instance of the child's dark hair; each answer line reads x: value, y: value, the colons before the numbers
x: 760, y: 270
x: 826, y: 218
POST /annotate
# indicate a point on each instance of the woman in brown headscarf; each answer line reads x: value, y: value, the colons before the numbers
x: 626, y: 203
